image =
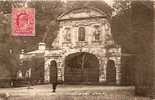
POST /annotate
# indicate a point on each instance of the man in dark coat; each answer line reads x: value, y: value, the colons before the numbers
x: 53, y: 74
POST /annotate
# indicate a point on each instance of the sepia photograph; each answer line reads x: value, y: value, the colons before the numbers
x: 77, y: 50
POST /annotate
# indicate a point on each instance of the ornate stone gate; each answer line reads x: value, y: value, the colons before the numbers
x: 103, y: 59
x: 84, y: 30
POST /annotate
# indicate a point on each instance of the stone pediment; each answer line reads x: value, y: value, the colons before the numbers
x: 81, y: 13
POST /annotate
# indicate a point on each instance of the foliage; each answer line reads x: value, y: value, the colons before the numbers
x: 8, y: 48
x: 128, y: 26
x: 121, y: 28
x: 37, y: 65
x: 46, y: 23
x: 121, y: 5
x: 133, y: 30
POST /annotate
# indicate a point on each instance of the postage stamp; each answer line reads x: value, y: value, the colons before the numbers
x: 23, y: 22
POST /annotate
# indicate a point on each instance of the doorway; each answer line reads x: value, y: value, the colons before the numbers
x: 111, y: 72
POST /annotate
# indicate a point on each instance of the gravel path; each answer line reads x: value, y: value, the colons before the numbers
x: 75, y: 92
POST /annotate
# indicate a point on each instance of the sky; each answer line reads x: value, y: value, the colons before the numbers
x: 109, y: 2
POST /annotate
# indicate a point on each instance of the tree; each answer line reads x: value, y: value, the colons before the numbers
x: 46, y: 26
x: 8, y: 51
x: 9, y: 48
x: 137, y: 36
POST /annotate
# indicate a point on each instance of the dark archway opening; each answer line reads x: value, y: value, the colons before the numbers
x: 81, y: 67
x: 111, y: 72
x: 53, y: 71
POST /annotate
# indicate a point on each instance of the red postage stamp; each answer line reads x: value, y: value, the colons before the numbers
x: 23, y: 22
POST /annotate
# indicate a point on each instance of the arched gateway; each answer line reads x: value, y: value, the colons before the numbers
x: 83, y: 47
x: 81, y: 67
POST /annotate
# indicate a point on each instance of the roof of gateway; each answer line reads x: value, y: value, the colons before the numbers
x: 84, y: 12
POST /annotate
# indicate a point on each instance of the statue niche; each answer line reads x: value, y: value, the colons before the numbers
x: 97, y: 33
x: 67, y: 34
x: 81, y: 34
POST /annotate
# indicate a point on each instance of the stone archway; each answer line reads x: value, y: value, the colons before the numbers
x: 111, y: 72
x: 81, y: 67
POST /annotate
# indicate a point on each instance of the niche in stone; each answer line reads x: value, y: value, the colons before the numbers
x: 81, y: 34
x: 67, y: 34
x: 97, y: 33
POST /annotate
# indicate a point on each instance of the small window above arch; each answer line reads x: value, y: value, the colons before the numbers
x: 81, y: 34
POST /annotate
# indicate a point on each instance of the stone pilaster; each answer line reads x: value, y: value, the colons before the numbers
x: 102, y: 70
x: 46, y: 71
x: 118, y: 70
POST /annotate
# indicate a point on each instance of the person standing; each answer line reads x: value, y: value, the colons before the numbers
x: 53, y: 74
